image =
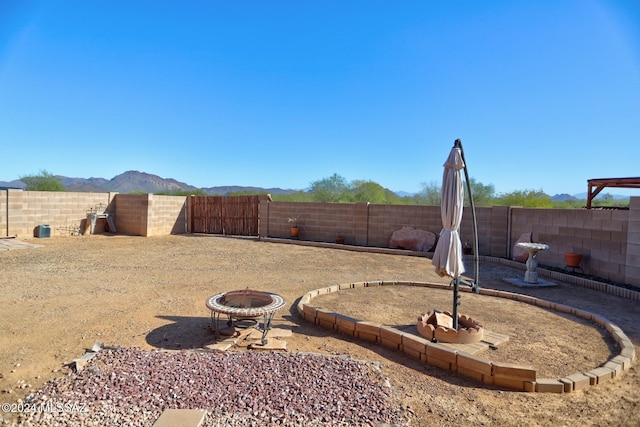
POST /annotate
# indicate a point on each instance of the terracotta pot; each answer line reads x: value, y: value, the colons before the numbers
x: 572, y: 259
x: 340, y: 240
x: 295, y: 231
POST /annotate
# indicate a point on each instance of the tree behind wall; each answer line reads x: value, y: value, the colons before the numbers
x: 44, y: 181
x: 333, y: 189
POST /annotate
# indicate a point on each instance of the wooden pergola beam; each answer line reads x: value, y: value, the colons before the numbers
x: 596, y: 185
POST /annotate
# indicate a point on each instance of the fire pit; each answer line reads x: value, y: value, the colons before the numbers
x: 242, y: 305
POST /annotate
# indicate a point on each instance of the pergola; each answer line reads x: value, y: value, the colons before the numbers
x: 598, y: 184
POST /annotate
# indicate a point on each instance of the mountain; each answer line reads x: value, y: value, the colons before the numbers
x: 583, y: 196
x: 222, y: 190
x: 564, y: 197
x: 404, y: 194
x: 134, y: 181
x: 127, y: 182
x: 16, y: 183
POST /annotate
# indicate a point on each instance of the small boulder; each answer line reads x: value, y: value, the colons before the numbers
x: 520, y: 254
x: 412, y: 239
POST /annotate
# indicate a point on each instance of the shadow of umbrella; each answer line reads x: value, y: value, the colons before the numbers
x: 184, y: 332
x: 447, y: 257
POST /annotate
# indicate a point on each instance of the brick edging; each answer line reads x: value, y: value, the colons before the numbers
x: 516, y: 377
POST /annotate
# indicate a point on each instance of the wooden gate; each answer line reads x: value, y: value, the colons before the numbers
x: 229, y: 215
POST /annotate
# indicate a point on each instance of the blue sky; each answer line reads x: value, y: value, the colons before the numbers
x: 543, y: 94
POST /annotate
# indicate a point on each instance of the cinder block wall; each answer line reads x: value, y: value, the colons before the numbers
x: 632, y: 261
x: 372, y: 225
x: 139, y: 215
x: 150, y: 215
x: 321, y: 222
x: 383, y: 220
x: 498, y: 223
x: 131, y: 212
x: 167, y: 215
x: 599, y: 235
x: 609, y: 240
x: 22, y: 211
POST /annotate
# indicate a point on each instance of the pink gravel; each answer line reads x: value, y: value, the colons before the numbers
x: 130, y: 386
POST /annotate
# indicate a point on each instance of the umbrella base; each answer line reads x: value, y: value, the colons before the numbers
x: 437, y: 326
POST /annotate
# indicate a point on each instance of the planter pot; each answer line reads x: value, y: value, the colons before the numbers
x: 340, y: 240
x: 572, y: 259
x: 295, y: 231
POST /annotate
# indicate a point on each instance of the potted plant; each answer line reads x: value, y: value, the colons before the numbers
x: 293, y: 223
x: 572, y: 259
x: 340, y: 239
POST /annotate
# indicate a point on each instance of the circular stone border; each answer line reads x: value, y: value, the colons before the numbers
x: 510, y: 376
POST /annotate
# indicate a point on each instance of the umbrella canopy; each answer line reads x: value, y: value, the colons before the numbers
x: 447, y: 257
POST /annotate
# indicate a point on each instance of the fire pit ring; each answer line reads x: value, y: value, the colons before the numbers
x: 243, y: 305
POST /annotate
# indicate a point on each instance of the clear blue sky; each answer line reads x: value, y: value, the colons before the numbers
x: 543, y: 94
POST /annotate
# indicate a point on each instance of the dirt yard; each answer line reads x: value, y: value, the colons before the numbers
x: 58, y: 299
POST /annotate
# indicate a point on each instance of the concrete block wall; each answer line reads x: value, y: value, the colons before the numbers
x: 22, y: 211
x: 134, y: 214
x: 372, y: 225
x: 360, y: 223
x: 484, y: 222
x: 499, y: 231
x: 321, y: 222
x: 632, y: 255
x: 601, y: 236
x: 383, y: 220
x: 131, y: 214
x: 608, y: 239
x: 151, y: 215
x: 167, y: 215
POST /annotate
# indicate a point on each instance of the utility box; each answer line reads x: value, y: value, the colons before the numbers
x: 42, y: 230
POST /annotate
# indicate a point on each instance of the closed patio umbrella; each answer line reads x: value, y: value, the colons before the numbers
x: 447, y: 257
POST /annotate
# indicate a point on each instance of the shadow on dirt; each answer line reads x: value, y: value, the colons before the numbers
x: 184, y: 333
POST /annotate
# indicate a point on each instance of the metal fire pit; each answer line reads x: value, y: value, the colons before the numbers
x: 243, y: 305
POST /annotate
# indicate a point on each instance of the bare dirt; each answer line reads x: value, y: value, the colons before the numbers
x: 58, y: 299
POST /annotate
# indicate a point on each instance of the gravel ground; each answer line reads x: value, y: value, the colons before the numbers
x: 130, y: 386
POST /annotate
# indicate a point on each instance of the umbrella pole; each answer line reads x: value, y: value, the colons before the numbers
x: 476, y: 266
x: 456, y: 281
x: 456, y: 303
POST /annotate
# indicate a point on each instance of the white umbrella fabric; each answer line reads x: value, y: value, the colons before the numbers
x: 447, y: 257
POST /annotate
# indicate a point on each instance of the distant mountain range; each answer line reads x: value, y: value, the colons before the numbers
x: 134, y: 181
x: 583, y: 196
